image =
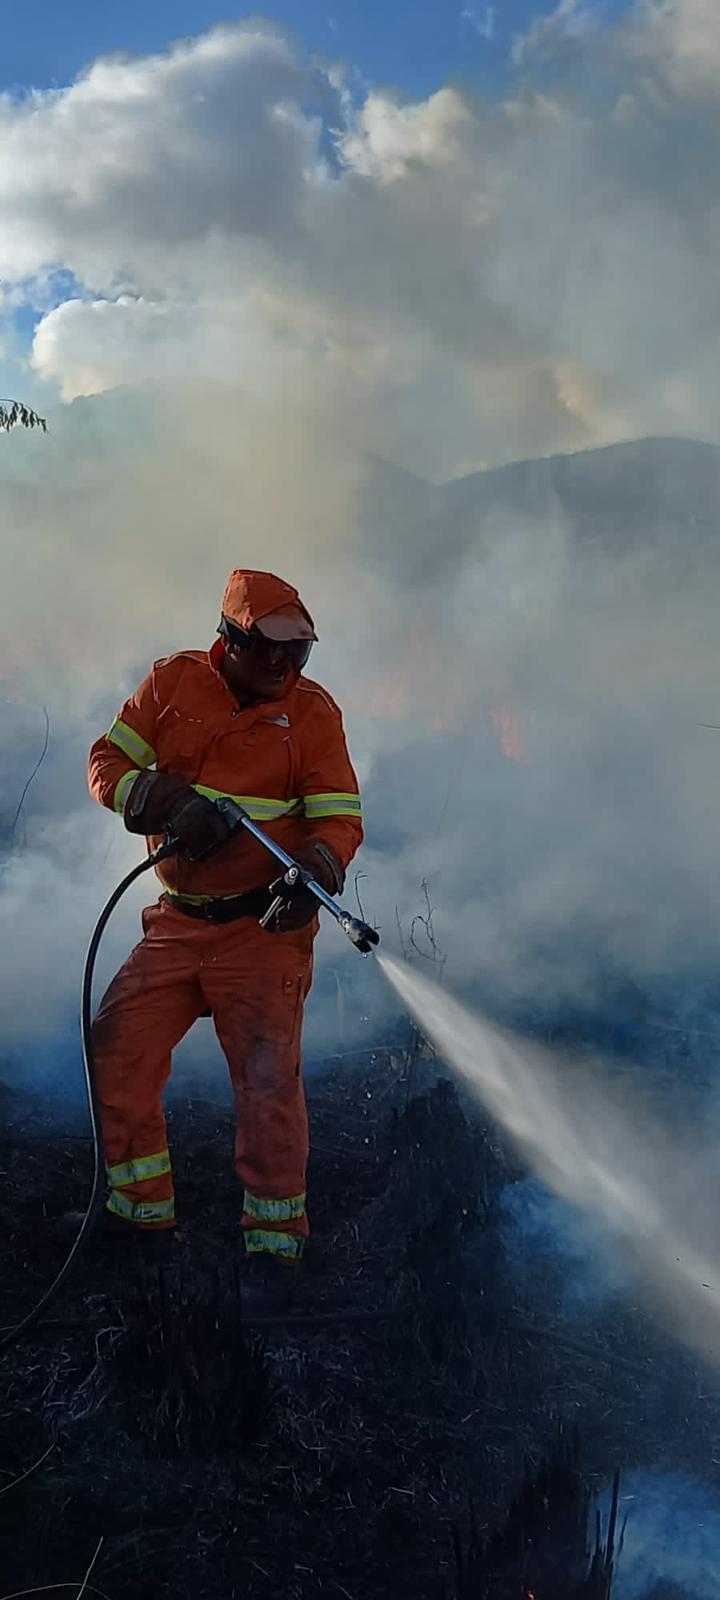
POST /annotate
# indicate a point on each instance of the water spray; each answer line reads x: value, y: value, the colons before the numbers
x: 589, y: 1148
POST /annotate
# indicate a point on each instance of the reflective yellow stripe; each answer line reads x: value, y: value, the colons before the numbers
x: 274, y: 1210
x: 257, y: 806
x: 259, y: 1240
x: 145, y: 1211
x: 137, y: 1171
x: 333, y: 805
x: 131, y: 743
x: 123, y: 789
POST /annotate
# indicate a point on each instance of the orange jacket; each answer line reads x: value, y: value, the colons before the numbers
x: 285, y: 761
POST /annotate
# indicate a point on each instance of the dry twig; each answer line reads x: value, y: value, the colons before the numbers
x: 34, y: 772
x: 51, y: 1588
x: 83, y: 1589
x: 24, y: 1475
x: 426, y: 922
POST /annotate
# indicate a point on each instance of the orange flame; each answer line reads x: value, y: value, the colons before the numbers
x: 510, y: 737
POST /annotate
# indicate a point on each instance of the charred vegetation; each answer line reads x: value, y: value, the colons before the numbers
x: 421, y: 1428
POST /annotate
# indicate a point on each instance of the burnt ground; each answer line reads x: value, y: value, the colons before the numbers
x: 414, y: 1433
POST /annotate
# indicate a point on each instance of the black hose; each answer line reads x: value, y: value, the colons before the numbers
x: 94, y: 1204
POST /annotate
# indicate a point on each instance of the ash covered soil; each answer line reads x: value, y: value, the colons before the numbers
x: 415, y: 1431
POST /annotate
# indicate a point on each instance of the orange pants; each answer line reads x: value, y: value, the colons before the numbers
x: 255, y: 985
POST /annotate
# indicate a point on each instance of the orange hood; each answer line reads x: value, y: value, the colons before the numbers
x: 251, y: 595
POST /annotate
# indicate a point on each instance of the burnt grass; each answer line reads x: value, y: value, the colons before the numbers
x: 424, y: 1427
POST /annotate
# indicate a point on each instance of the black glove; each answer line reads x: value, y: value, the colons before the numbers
x: 300, y: 905
x: 197, y: 825
x: 151, y: 800
x: 162, y: 803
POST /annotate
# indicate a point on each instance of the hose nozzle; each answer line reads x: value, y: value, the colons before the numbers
x: 359, y: 933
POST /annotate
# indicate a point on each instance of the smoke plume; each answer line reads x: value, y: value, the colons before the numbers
x: 284, y: 322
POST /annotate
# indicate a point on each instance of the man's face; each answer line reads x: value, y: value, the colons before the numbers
x: 255, y: 678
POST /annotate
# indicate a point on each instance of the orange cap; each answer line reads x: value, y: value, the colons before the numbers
x: 252, y: 598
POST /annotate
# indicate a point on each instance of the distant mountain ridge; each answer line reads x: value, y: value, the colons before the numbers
x: 640, y: 476
x: 638, y: 490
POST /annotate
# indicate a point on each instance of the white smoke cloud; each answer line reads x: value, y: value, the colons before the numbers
x: 265, y: 283
x: 670, y: 1536
x: 679, y: 40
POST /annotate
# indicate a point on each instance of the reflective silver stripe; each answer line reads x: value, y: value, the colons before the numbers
x: 131, y: 743
x: 123, y: 789
x: 258, y: 1240
x: 138, y: 1170
x: 147, y: 1211
x: 333, y: 805
x: 260, y: 808
x: 274, y: 1210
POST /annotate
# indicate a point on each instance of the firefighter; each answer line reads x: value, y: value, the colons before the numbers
x: 239, y: 720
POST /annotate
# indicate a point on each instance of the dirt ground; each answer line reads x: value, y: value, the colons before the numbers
x: 425, y: 1428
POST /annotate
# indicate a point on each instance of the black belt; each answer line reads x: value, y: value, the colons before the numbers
x: 253, y: 904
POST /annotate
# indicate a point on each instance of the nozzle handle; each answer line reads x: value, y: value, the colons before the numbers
x: 359, y: 933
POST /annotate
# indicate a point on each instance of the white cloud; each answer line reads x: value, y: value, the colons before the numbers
x: 390, y: 139
x: 142, y: 157
x: 88, y: 346
x: 481, y: 21
x: 559, y: 34
x: 680, y: 39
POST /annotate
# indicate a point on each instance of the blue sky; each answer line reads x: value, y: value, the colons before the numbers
x: 415, y: 46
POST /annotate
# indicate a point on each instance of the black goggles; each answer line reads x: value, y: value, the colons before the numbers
x: 267, y: 652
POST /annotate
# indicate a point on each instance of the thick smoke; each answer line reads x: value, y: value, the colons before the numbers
x: 671, y: 1534
x: 284, y: 317
x: 540, y: 1231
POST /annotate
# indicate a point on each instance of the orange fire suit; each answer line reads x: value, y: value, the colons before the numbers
x: 287, y: 763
